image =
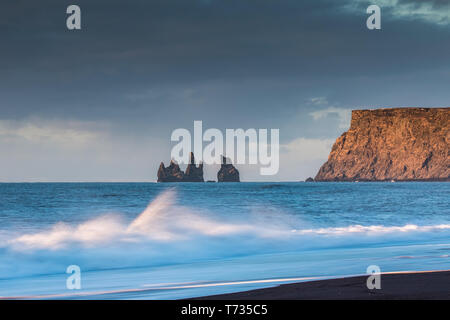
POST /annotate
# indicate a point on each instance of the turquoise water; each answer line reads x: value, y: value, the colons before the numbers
x: 168, y: 241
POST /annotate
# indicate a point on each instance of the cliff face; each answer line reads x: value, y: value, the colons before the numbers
x: 392, y: 144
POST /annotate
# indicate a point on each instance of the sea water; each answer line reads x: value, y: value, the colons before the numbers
x: 171, y: 241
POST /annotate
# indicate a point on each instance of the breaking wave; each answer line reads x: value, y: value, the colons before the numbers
x: 168, y: 242
x: 165, y: 221
x: 161, y: 221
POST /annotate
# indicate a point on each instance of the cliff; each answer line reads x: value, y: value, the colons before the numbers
x: 227, y: 172
x: 402, y: 144
x: 173, y: 173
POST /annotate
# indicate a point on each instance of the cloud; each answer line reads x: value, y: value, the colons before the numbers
x: 302, y: 158
x: 319, y: 101
x: 307, y: 149
x: 343, y: 114
x: 299, y: 159
x: 37, y: 131
x: 434, y: 11
x: 70, y: 150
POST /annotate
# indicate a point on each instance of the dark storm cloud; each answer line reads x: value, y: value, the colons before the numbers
x: 124, y: 49
x: 438, y: 4
x: 434, y: 12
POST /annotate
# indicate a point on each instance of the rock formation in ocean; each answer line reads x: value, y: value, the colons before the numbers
x: 193, y: 173
x: 227, y: 172
x: 309, y: 180
x: 401, y: 144
x: 173, y: 173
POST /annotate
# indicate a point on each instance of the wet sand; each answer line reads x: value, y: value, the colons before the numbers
x: 408, y: 285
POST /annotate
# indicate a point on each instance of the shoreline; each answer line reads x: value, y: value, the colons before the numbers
x: 422, y: 285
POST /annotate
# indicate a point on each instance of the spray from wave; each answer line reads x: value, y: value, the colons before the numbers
x: 163, y: 221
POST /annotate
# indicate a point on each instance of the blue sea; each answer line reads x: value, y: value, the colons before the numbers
x: 172, y: 241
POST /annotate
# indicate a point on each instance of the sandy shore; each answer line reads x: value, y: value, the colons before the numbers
x: 406, y: 285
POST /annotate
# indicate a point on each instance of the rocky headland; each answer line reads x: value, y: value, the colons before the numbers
x: 401, y: 144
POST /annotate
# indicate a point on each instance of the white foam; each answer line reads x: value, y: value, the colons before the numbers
x: 162, y: 220
x: 376, y: 229
x: 165, y: 221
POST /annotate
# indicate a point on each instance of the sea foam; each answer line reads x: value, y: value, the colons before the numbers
x: 165, y: 221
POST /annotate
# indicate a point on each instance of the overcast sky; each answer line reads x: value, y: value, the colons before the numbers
x: 100, y: 104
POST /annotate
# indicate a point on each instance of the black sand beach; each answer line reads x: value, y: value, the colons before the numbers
x: 416, y: 285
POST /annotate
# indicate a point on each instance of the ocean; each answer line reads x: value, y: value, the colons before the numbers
x: 173, y: 241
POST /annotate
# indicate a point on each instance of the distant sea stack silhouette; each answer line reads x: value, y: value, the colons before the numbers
x: 193, y: 173
x: 227, y: 172
x: 173, y: 173
x: 401, y: 144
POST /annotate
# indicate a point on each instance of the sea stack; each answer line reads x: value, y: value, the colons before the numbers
x: 401, y: 144
x: 193, y: 173
x: 173, y: 173
x: 227, y: 172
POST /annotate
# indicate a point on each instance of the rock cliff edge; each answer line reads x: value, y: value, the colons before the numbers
x: 402, y: 144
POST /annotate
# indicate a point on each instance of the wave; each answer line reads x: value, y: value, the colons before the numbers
x: 207, y: 245
x: 165, y: 221
x: 162, y: 221
x: 375, y: 229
